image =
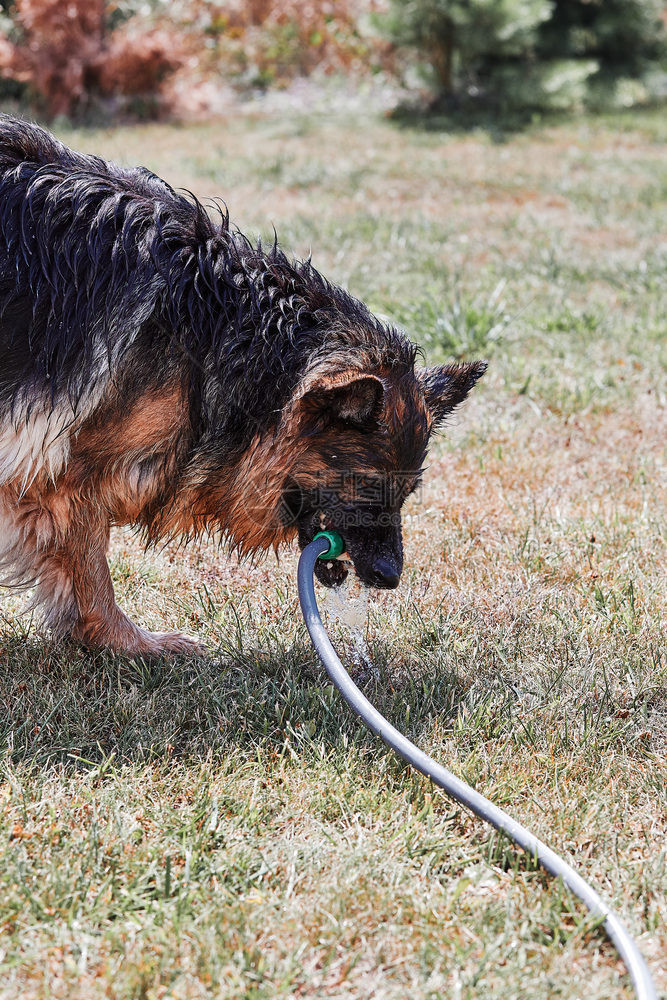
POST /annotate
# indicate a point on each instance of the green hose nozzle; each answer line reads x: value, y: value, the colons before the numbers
x: 336, y: 544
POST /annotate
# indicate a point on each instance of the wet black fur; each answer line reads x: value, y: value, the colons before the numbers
x: 109, y: 272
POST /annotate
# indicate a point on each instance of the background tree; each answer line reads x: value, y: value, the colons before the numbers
x: 625, y: 38
x: 530, y: 53
x: 459, y: 37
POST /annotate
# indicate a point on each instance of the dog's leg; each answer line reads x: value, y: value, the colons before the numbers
x: 101, y: 623
x: 62, y: 550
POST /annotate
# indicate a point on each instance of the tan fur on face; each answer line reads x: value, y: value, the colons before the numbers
x: 396, y: 443
x: 244, y: 501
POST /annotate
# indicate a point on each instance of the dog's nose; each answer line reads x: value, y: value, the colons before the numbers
x: 385, y: 573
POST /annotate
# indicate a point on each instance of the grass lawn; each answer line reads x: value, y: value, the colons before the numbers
x: 222, y: 826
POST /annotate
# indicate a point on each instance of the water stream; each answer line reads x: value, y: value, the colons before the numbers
x: 347, y: 606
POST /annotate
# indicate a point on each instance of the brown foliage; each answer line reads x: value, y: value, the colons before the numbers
x: 60, y: 42
x: 138, y: 60
x: 66, y: 54
x: 272, y: 41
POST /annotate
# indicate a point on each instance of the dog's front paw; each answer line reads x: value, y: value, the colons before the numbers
x: 174, y: 644
x: 123, y: 636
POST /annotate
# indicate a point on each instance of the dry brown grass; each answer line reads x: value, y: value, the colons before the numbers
x: 524, y: 648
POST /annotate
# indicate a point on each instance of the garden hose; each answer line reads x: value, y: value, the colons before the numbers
x: 328, y: 545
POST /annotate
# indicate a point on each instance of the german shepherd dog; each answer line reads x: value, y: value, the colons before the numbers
x: 158, y: 369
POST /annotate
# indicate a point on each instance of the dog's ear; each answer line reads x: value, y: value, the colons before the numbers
x: 445, y: 386
x: 352, y: 397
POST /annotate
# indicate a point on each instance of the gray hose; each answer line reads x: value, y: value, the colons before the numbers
x: 458, y: 789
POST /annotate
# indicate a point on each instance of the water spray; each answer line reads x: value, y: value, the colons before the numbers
x: 329, y: 545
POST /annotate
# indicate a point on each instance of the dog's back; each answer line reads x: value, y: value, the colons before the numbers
x: 61, y: 214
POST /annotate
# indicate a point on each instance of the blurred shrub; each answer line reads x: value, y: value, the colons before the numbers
x: 531, y: 53
x: 138, y: 59
x: 68, y: 52
x: 460, y: 38
x: 270, y: 42
x: 625, y: 39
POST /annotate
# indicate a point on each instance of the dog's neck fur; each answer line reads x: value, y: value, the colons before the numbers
x: 261, y: 322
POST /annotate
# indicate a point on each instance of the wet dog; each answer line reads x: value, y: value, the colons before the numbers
x: 158, y: 369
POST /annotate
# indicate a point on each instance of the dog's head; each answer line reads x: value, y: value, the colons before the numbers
x: 362, y: 438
